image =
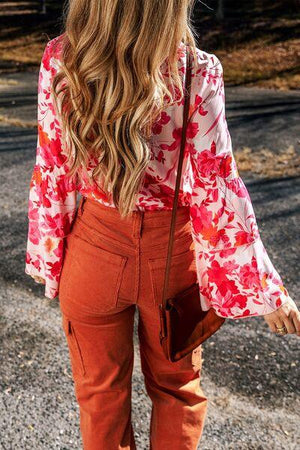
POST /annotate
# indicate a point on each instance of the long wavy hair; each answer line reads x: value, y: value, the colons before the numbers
x: 113, y: 88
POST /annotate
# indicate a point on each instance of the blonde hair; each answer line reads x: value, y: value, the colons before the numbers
x: 112, y: 56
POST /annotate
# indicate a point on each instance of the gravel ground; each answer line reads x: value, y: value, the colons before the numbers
x: 250, y: 375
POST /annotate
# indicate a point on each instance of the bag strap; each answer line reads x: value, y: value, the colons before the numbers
x: 178, y: 177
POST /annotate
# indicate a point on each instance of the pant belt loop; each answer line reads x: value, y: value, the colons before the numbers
x: 137, y: 224
x: 142, y: 217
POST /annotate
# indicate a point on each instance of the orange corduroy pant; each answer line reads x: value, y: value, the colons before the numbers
x: 111, y: 266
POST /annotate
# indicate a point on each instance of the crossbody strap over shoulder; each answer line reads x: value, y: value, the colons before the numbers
x: 187, y: 92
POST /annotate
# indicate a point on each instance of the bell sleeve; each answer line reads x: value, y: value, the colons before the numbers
x: 52, y: 195
x: 235, y: 274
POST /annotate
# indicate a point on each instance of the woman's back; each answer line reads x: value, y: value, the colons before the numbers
x: 159, y: 180
x: 224, y: 226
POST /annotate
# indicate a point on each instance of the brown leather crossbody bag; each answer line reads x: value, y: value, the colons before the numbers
x: 183, y: 324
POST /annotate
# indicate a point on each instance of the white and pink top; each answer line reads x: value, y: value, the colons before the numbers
x: 235, y: 274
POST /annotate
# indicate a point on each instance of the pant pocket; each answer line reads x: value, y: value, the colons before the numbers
x: 76, y: 358
x: 182, y: 274
x: 91, y: 277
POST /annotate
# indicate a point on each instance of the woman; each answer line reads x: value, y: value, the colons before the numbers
x: 110, y: 103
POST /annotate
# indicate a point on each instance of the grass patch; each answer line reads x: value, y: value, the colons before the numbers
x: 18, y: 122
x: 265, y: 162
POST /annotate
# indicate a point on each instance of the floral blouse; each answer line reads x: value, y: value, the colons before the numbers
x: 235, y: 274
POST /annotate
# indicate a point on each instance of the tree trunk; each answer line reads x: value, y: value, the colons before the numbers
x: 220, y: 11
x: 44, y: 7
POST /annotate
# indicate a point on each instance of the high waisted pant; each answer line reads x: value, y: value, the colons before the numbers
x: 111, y: 265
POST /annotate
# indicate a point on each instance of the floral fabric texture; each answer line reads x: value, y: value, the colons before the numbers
x: 235, y: 274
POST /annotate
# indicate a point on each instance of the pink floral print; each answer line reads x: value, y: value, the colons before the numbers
x: 235, y: 274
